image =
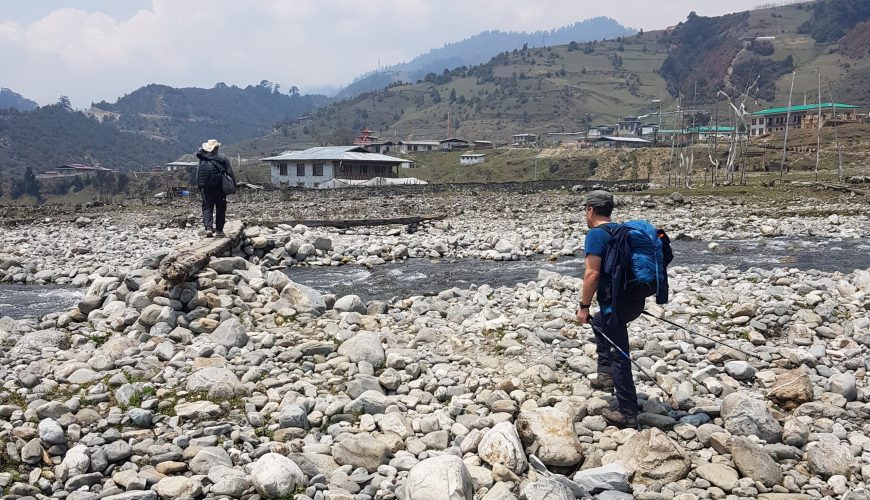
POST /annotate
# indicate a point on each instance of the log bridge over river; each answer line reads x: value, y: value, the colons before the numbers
x: 186, y: 260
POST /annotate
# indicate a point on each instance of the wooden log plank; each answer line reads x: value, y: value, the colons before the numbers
x: 185, y: 261
x: 347, y: 223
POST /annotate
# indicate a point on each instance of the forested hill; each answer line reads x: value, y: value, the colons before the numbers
x: 50, y: 136
x: 189, y: 115
x: 480, y: 48
x: 12, y: 100
x: 147, y: 127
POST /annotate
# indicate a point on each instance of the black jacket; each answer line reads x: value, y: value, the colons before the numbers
x: 208, y: 173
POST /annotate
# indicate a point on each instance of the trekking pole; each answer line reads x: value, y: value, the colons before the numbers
x: 701, y: 335
x: 626, y: 356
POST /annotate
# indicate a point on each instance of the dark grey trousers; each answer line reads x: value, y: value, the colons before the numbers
x: 214, y: 202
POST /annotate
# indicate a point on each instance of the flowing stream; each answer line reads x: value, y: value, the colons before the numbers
x: 426, y: 276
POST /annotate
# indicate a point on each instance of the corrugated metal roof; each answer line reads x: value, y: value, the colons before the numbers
x: 623, y: 139
x: 803, y: 107
x: 421, y: 143
x: 334, y: 153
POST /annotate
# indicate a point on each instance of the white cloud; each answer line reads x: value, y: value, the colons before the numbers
x: 92, y: 56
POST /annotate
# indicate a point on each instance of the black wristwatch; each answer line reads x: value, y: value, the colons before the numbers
x: 585, y: 306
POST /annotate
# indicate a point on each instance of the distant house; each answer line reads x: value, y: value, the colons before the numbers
x: 621, y: 142
x: 176, y: 166
x: 452, y: 143
x: 418, y: 146
x: 561, y: 137
x: 771, y: 120
x: 647, y: 130
x: 314, y: 166
x: 482, y: 144
x: 525, y: 140
x: 381, y: 147
x: 599, y: 131
x: 71, y: 170
x: 472, y: 158
x: 627, y: 126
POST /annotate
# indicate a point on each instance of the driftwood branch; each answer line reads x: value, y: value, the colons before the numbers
x: 347, y: 223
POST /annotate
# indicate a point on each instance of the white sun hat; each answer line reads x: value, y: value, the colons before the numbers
x: 210, y: 146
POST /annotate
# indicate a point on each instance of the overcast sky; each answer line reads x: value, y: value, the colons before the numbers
x: 92, y: 50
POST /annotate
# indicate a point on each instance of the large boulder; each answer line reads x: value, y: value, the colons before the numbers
x: 33, y: 342
x: 208, y: 457
x: 226, y: 265
x: 651, y: 456
x: 828, y: 459
x: 230, y: 333
x: 719, y: 475
x: 361, y: 450
x: 547, y: 489
x: 610, y: 477
x: 501, y: 445
x: 746, y: 416
x: 792, y: 389
x: 350, y: 303
x: 304, y: 299
x: 549, y: 434
x: 275, y: 476
x: 752, y: 461
x: 364, y: 346
x: 444, y: 477
x: 206, y: 378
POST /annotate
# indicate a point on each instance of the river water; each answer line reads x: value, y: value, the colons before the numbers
x: 426, y: 276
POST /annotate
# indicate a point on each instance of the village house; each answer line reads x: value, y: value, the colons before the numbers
x: 452, y: 144
x: 771, y: 120
x: 482, y: 144
x: 621, y: 142
x: 381, y: 147
x: 418, y: 146
x: 472, y: 158
x: 314, y: 166
x: 525, y: 141
x: 179, y: 166
x: 71, y: 170
x: 627, y: 126
x: 599, y: 131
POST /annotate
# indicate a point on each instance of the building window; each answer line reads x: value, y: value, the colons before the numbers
x: 300, y: 170
x: 282, y: 169
x: 318, y: 170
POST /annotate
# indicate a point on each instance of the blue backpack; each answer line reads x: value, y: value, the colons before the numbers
x: 636, y: 260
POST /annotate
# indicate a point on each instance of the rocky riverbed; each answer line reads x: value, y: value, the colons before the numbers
x: 240, y: 383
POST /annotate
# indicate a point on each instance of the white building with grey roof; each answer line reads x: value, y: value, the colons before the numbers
x: 314, y: 166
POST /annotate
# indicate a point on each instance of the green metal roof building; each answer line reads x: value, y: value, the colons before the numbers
x: 803, y: 116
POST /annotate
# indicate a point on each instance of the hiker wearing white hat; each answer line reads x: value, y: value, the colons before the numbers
x: 209, y: 178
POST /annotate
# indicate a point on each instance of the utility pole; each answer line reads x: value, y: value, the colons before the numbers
x: 836, y: 137
x: 656, y: 135
x: 787, y: 121
x: 819, y: 133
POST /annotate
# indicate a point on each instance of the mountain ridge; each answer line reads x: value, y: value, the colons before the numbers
x: 10, y: 99
x: 479, y: 48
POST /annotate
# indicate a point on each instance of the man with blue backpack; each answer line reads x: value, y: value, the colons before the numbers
x: 625, y: 264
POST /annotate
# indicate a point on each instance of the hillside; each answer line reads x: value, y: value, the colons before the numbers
x: 147, y: 127
x: 186, y: 116
x: 51, y: 136
x: 565, y: 88
x: 480, y: 48
x: 12, y: 100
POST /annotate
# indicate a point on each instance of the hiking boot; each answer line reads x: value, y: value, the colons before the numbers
x: 220, y: 234
x: 619, y: 419
x: 603, y: 382
x: 209, y: 234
